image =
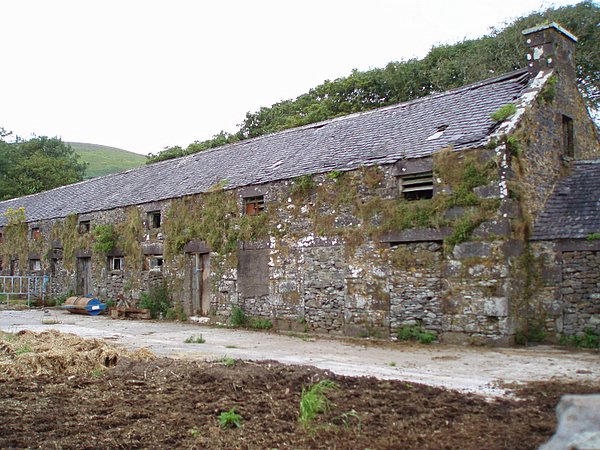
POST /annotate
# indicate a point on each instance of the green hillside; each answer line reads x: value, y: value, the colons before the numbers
x: 104, y: 160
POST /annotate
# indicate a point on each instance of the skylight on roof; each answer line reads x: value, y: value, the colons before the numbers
x: 438, y: 132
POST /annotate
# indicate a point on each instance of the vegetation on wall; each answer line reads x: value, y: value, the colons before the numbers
x: 15, y: 236
x: 130, y: 234
x: 67, y: 233
x: 213, y: 218
x: 104, y: 238
x: 459, y: 172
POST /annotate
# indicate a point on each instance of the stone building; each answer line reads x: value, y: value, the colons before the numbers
x: 428, y: 213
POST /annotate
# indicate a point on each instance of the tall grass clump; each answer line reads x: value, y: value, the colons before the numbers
x: 314, y: 401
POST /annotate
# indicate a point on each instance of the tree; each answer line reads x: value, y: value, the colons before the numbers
x: 197, y: 146
x: 36, y: 165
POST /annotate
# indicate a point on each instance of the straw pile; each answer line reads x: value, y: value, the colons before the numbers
x: 27, y: 354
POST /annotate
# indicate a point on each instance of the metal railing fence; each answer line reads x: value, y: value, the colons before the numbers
x: 29, y: 286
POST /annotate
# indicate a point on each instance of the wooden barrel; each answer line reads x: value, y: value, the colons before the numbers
x: 84, y: 305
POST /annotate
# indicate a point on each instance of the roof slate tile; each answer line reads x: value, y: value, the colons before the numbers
x: 573, y: 209
x: 380, y: 136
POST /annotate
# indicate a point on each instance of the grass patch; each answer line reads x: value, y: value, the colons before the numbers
x: 314, y: 401
x: 230, y: 419
x: 103, y: 160
x: 157, y: 301
x: 24, y: 349
x: 504, y: 112
x: 238, y: 317
x: 226, y: 361
x: 195, y: 340
x: 261, y: 324
x: 589, y: 339
x: 416, y: 333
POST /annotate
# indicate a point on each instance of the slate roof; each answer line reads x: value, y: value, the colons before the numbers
x: 573, y: 209
x: 380, y: 136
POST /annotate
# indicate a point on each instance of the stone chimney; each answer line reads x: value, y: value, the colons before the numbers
x: 550, y: 47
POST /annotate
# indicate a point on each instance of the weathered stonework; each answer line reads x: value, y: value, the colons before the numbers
x: 345, y: 252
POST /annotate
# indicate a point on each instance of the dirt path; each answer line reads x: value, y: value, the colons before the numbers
x: 478, y: 370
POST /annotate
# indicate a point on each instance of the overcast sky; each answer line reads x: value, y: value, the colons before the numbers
x: 144, y: 74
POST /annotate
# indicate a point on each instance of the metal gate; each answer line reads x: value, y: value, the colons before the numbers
x: 29, y: 287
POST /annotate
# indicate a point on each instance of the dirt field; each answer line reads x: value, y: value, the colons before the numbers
x: 468, y: 369
x: 56, y: 391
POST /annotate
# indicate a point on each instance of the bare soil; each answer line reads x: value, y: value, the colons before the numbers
x: 144, y: 402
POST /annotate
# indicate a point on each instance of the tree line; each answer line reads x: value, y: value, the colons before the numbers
x: 444, y: 67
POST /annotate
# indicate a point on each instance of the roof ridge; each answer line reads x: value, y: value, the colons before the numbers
x: 466, y: 87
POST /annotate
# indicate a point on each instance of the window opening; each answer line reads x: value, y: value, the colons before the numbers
x: 254, y: 205
x: 116, y: 263
x: 568, y: 138
x: 85, y: 226
x: 417, y: 186
x: 36, y: 233
x: 53, y: 264
x: 155, y: 263
x: 35, y: 265
x: 154, y: 218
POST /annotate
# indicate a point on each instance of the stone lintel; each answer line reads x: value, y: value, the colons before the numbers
x: 196, y: 247
x: 254, y: 245
x: 578, y: 245
x: 253, y: 191
x: 412, y: 166
x: 152, y: 249
x: 416, y: 235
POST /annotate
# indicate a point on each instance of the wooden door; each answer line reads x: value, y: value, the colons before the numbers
x: 84, y: 276
x: 198, y: 273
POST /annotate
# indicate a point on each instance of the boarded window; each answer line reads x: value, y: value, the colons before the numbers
x: 254, y: 205
x: 568, y: 137
x: 154, y: 219
x: 253, y: 272
x: 417, y: 186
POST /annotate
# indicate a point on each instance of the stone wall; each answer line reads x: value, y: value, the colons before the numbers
x: 322, y: 262
x: 566, y: 287
x: 580, y: 291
